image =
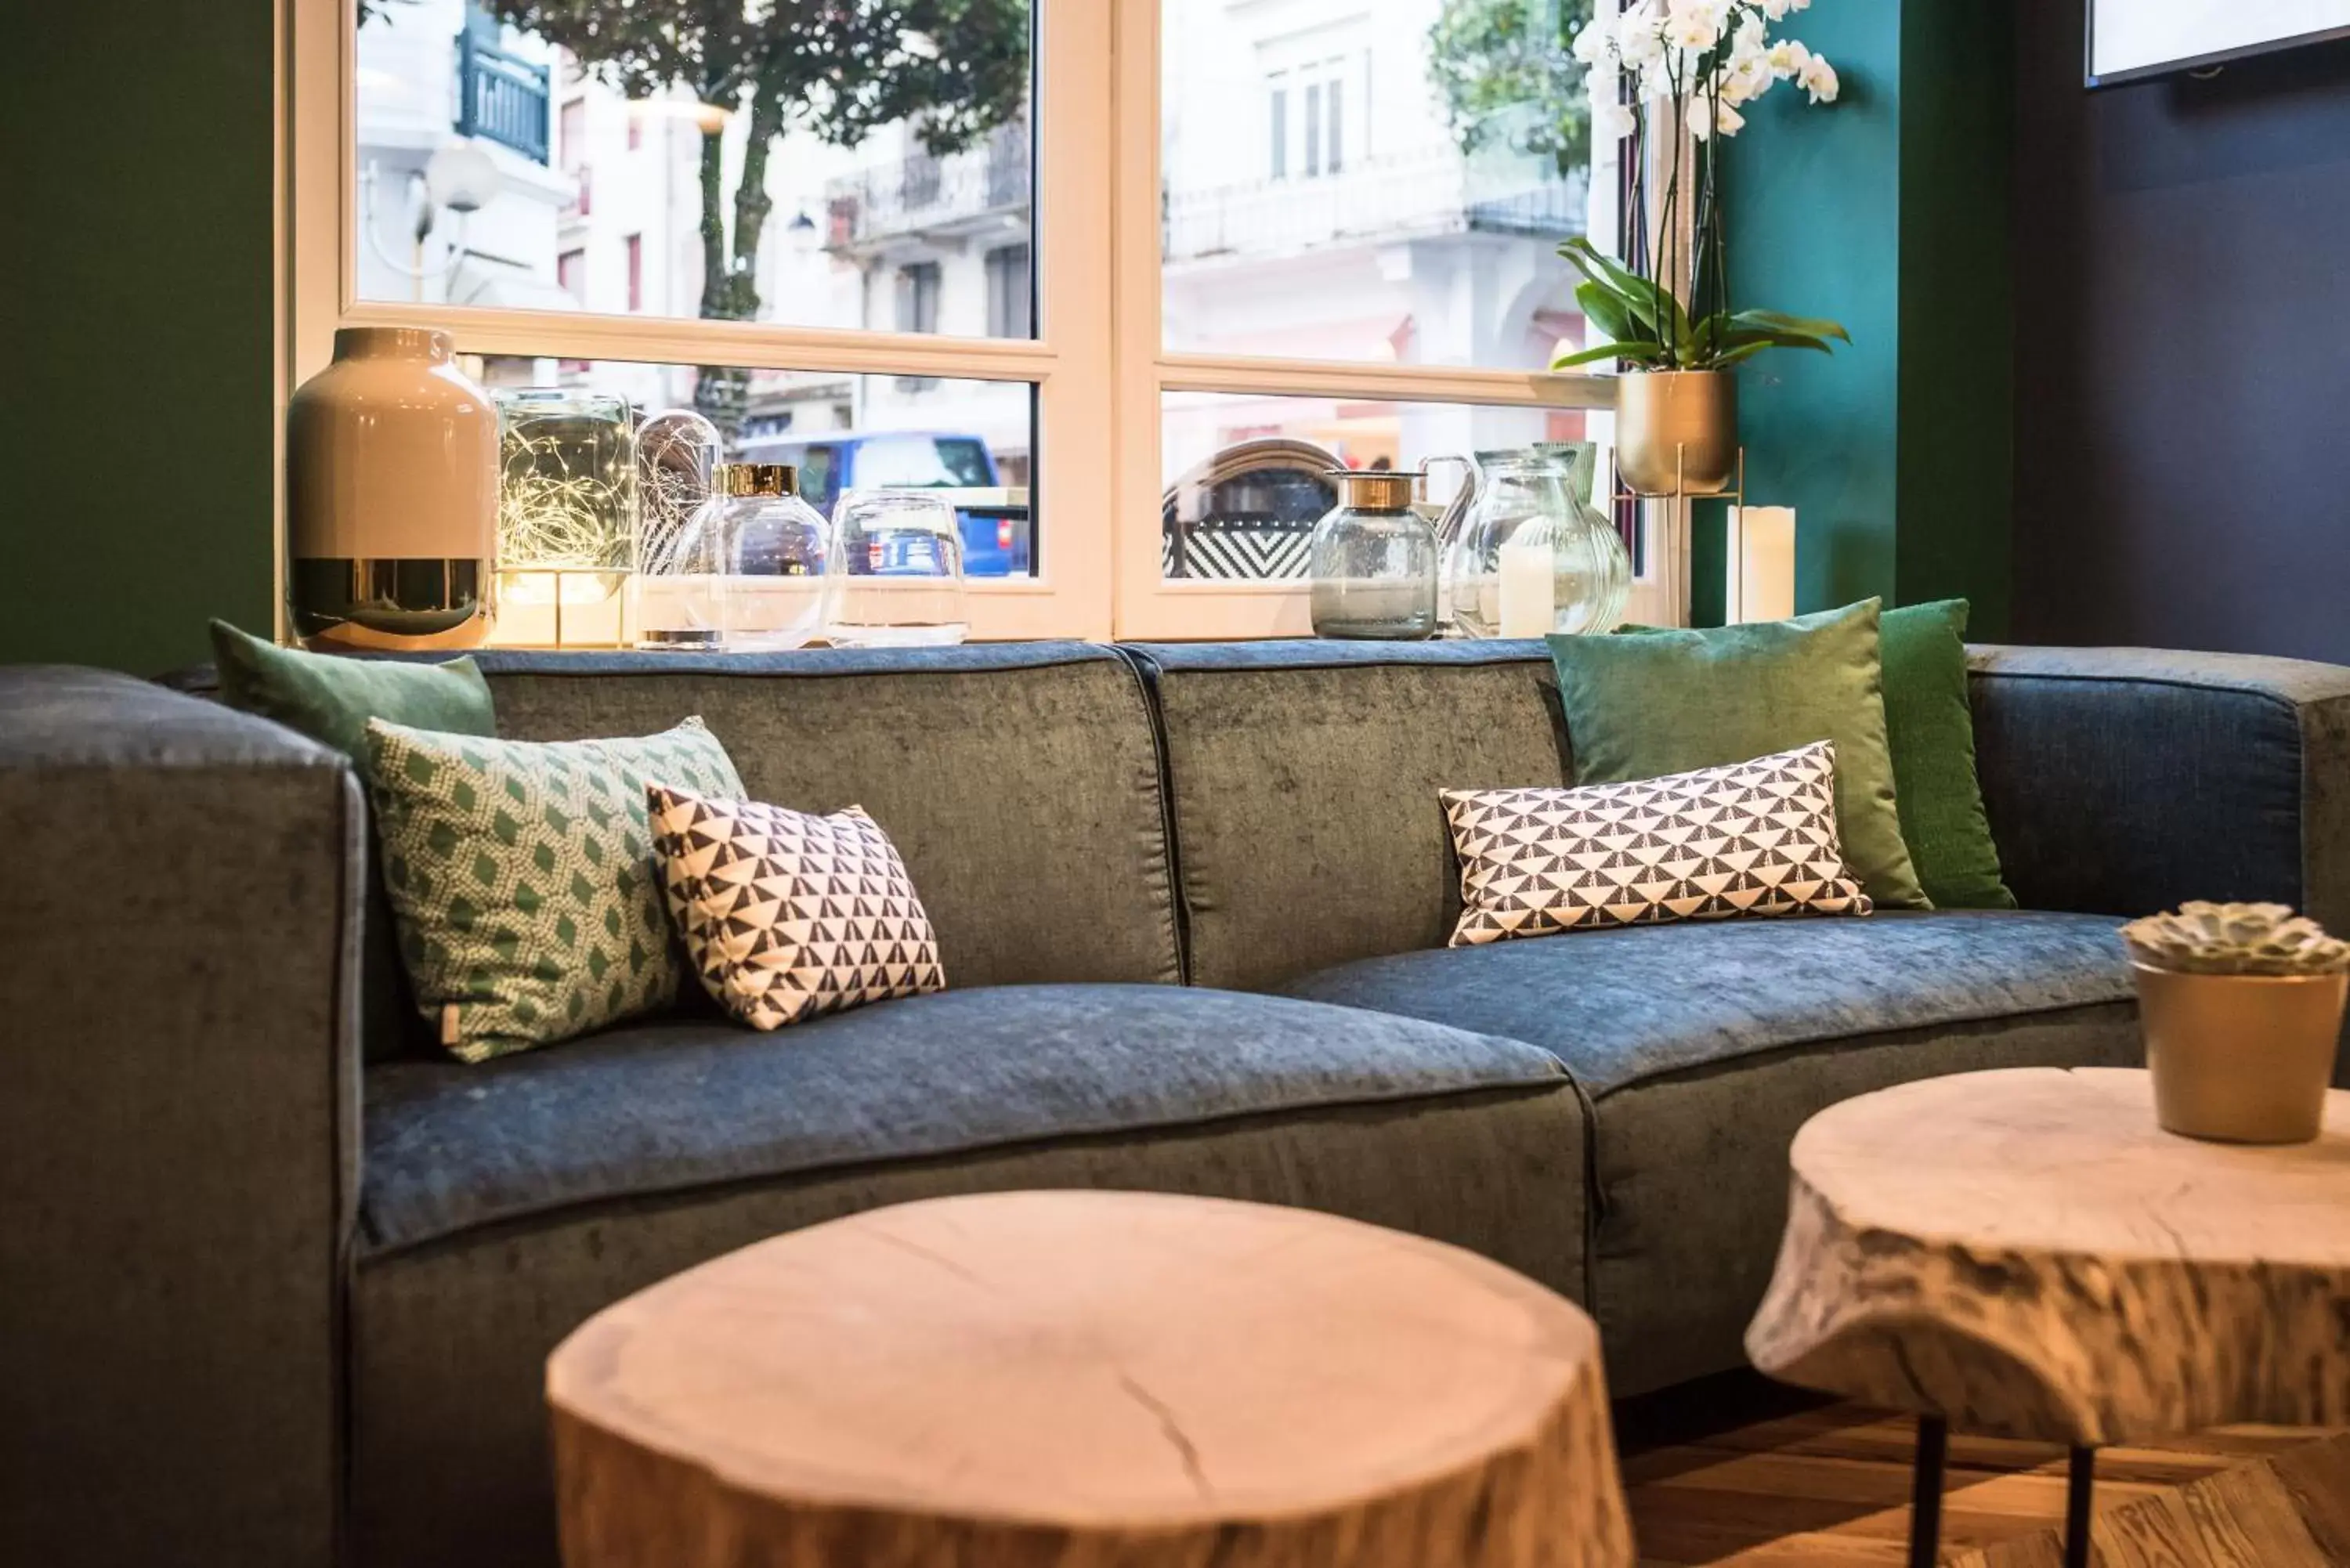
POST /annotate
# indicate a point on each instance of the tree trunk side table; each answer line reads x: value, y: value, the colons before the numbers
x: 1087, y: 1377
x: 2024, y: 1253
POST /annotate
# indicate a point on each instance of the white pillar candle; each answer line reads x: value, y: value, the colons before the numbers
x: 1760, y: 563
x: 1528, y: 576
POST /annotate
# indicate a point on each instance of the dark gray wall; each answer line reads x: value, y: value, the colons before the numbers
x: 136, y: 424
x: 2182, y: 386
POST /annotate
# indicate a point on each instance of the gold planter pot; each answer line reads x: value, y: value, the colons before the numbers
x: 1676, y: 432
x: 2241, y: 1058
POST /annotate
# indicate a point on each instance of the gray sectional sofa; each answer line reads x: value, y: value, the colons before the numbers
x: 276, y: 1280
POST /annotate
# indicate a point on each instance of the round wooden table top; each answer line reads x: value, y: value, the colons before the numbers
x: 2028, y: 1253
x: 1080, y: 1377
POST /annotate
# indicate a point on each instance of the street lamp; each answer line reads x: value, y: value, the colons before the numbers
x: 461, y: 176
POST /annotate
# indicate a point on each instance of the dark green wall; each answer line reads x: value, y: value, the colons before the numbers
x: 1887, y: 211
x: 138, y: 422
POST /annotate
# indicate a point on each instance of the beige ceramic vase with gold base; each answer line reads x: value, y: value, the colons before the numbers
x: 2241, y: 1058
x: 392, y: 496
x: 1676, y: 432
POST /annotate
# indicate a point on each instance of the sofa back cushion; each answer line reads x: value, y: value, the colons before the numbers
x: 1019, y: 782
x: 1305, y: 778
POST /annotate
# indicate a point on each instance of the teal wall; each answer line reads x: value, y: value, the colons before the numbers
x: 139, y: 408
x: 1887, y: 211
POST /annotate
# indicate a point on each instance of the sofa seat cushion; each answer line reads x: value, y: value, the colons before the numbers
x: 1618, y: 1007
x: 684, y: 1105
x: 1705, y: 1047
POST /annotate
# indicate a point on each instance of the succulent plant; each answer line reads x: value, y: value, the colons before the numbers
x: 2235, y: 939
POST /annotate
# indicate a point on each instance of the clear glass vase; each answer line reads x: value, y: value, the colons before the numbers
x: 1533, y: 555
x: 897, y: 570
x: 567, y: 516
x: 673, y: 599
x: 772, y: 554
x: 1372, y: 560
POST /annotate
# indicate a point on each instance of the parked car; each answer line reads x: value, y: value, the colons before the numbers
x: 998, y: 532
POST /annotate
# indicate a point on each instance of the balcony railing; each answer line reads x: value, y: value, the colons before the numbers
x: 926, y: 194
x: 1431, y: 194
x: 501, y: 97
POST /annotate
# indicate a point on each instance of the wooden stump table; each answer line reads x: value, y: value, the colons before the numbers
x: 1075, y: 1378
x: 2025, y: 1253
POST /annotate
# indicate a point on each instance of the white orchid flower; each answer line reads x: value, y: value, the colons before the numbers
x: 1818, y: 79
x: 1786, y: 57
x: 1704, y: 122
x: 1639, y: 40
x: 1594, y: 43
x: 1692, y: 34
x: 1612, y: 122
x: 1742, y: 81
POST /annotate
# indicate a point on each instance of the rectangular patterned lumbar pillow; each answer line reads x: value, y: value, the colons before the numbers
x: 785, y: 914
x: 1748, y: 838
x: 522, y: 878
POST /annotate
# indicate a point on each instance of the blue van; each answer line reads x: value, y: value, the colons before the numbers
x: 998, y: 534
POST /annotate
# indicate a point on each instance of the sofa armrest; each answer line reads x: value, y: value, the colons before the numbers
x: 2122, y: 781
x: 178, y: 1099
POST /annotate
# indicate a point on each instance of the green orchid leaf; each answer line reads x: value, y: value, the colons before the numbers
x: 1606, y: 311
x: 1778, y: 321
x: 1653, y: 306
x: 1639, y: 351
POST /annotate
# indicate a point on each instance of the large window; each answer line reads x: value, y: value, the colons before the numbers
x: 1054, y: 255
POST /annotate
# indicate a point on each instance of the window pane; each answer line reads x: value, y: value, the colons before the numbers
x: 1399, y: 191
x: 972, y: 440
x: 495, y: 141
x: 1242, y: 475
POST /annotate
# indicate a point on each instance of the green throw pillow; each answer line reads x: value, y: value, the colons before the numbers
x: 522, y: 874
x: 1660, y: 702
x: 1932, y: 735
x: 330, y: 698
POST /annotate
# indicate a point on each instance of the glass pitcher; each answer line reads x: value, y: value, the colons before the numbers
x: 1528, y: 554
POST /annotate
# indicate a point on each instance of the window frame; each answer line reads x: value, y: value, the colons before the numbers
x: 1098, y: 361
x: 1148, y: 605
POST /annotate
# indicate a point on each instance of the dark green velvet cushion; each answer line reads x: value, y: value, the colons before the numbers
x: 1667, y: 701
x: 331, y: 698
x: 1931, y: 732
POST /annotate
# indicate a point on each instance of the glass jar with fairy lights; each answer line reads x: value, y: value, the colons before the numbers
x: 567, y: 517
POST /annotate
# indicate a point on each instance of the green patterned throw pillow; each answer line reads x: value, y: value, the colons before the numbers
x: 522, y: 875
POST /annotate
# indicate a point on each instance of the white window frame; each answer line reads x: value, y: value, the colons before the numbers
x: 1149, y: 605
x: 1098, y: 361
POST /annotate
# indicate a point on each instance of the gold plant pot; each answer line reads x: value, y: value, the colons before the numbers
x: 1676, y: 432
x: 2241, y: 1058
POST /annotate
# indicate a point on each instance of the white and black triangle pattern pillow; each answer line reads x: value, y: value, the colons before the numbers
x: 1749, y: 838
x: 785, y: 914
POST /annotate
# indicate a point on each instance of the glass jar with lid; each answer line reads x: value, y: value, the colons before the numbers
x: 1373, y: 559
x: 772, y: 553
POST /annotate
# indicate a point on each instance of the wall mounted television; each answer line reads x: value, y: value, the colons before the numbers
x: 2130, y: 40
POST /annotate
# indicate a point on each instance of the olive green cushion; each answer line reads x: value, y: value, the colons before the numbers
x: 522, y: 876
x: 1931, y: 730
x: 1671, y: 702
x: 330, y: 698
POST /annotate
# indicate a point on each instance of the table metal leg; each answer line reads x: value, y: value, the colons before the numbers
x: 1925, y: 1492
x: 2081, y: 1477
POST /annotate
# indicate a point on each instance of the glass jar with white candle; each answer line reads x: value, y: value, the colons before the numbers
x: 1534, y: 556
x: 1372, y: 560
